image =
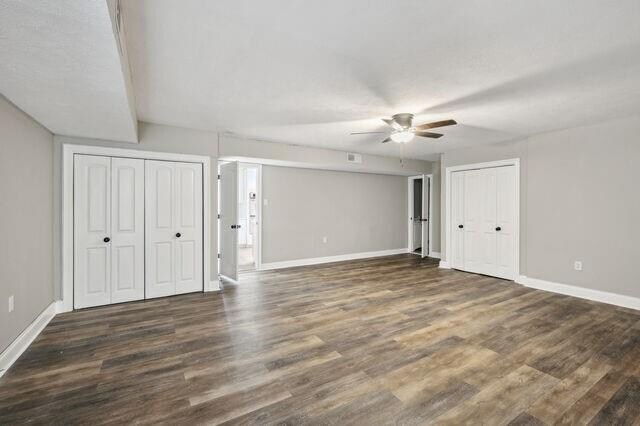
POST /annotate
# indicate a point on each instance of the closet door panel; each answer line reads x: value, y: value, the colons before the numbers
x: 188, y: 213
x: 127, y: 225
x: 159, y: 228
x: 473, y: 242
x: 92, y: 255
x: 507, y: 221
x: 488, y: 226
x: 457, y: 219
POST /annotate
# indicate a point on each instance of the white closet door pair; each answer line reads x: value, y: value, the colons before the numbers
x: 137, y: 229
x: 173, y: 228
x: 108, y: 230
x: 483, y: 216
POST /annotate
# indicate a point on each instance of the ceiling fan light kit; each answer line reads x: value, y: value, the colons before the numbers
x: 404, y: 131
x: 403, y: 136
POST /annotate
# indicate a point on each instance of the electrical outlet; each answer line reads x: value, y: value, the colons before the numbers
x: 577, y: 265
x: 324, y: 239
x: 11, y: 303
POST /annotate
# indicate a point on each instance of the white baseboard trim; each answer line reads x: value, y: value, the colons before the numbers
x: 214, y: 285
x: 444, y: 264
x: 581, y: 292
x: 61, y: 308
x: 435, y: 254
x: 28, y: 335
x: 329, y: 259
x: 225, y: 278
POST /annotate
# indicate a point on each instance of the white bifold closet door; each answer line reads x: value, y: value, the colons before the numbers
x: 173, y: 210
x: 457, y: 220
x: 483, y: 216
x: 108, y: 230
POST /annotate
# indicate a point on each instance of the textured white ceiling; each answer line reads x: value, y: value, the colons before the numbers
x: 312, y: 72
x: 59, y: 62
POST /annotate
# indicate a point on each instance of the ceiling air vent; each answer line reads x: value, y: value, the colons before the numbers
x: 354, y: 158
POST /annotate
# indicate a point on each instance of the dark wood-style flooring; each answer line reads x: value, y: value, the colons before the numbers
x: 391, y: 340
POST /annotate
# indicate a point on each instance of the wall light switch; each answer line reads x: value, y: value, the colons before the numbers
x: 11, y: 303
x: 324, y: 239
x: 577, y: 265
x: 265, y: 202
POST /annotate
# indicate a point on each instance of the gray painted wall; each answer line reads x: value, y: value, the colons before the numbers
x: 579, y: 201
x: 584, y: 204
x: 357, y: 213
x: 26, y: 209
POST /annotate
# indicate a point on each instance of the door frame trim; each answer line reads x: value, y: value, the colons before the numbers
x: 445, y: 263
x: 68, y: 153
x: 410, y: 181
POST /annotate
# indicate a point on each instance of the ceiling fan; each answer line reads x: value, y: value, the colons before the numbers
x: 404, y: 131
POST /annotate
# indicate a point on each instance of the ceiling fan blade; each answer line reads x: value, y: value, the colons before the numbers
x: 429, y: 135
x: 391, y: 122
x: 386, y: 140
x: 364, y: 133
x: 436, y: 124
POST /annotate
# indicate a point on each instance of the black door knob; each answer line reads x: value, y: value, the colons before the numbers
x: 178, y: 234
x: 498, y: 228
x: 238, y: 226
x: 460, y: 226
x: 106, y: 239
x: 233, y: 226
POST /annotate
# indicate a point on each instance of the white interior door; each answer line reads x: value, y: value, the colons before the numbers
x: 243, y: 207
x: 506, y: 229
x: 173, y: 200
x: 188, y: 227
x: 488, y: 248
x: 480, y: 221
x: 229, y: 220
x: 415, y: 214
x: 426, y: 238
x: 92, y: 231
x: 160, y: 228
x: 127, y: 229
x: 473, y: 221
x: 457, y: 220
x: 484, y: 228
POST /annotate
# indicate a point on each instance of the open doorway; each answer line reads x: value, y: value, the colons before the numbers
x: 247, y: 216
x: 239, y: 200
x: 419, y: 212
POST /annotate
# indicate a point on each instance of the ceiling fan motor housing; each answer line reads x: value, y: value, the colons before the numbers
x: 405, y: 120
